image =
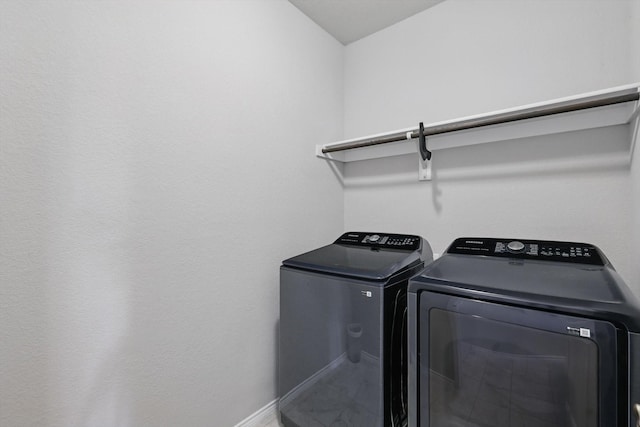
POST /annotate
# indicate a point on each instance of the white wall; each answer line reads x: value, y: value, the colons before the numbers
x: 465, y: 57
x: 155, y: 167
x: 634, y: 54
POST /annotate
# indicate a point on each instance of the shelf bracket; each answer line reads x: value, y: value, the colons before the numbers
x: 634, y: 123
x: 424, y: 161
x: 424, y: 170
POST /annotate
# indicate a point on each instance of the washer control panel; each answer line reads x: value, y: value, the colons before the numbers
x: 381, y: 240
x: 544, y: 250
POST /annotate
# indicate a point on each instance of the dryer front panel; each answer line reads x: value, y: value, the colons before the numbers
x: 483, y: 364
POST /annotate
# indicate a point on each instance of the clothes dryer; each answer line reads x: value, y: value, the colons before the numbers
x: 512, y: 333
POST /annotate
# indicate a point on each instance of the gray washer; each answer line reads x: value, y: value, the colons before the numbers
x: 343, y: 330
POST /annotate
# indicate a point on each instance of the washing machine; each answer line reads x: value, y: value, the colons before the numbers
x: 342, y: 341
x: 512, y: 333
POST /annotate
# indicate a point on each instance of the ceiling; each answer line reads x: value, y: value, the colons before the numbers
x: 351, y: 20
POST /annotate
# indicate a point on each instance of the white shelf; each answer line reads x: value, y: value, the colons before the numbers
x: 585, y: 118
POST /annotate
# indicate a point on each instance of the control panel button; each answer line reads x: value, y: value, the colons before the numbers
x: 515, y: 246
x: 374, y: 238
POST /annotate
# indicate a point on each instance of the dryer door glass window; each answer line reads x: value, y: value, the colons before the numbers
x: 485, y: 373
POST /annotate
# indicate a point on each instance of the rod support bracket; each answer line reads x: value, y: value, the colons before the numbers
x: 424, y: 161
x: 424, y: 170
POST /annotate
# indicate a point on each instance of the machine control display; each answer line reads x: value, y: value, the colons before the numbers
x: 380, y: 240
x: 581, y: 253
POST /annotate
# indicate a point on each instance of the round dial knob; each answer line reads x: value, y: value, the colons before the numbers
x: 374, y: 238
x: 515, y: 246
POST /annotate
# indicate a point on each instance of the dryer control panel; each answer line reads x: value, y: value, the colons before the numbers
x: 543, y: 250
x: 381, y: 240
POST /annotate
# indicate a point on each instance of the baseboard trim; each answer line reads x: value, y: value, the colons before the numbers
x: 262, y: 416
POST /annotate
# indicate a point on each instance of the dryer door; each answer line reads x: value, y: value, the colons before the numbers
x: 484, y: 364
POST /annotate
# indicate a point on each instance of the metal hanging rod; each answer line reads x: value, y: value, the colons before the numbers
x: 600, y: 100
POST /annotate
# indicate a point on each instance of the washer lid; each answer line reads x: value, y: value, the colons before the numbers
x: 369, y: 256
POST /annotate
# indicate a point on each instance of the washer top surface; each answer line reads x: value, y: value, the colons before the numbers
x: 368, y: 256
x: 544, y: 274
